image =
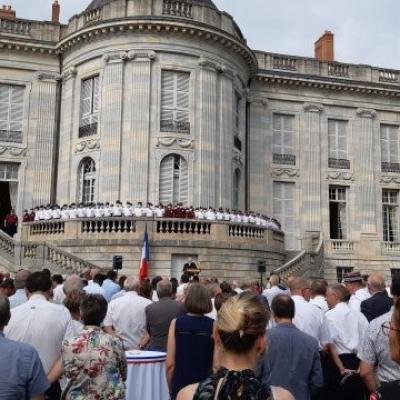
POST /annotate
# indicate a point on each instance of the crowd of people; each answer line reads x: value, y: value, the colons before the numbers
x: 106, y: 210
x: 301, y: 339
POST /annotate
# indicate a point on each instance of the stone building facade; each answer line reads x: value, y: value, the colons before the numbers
x: 163, y: 100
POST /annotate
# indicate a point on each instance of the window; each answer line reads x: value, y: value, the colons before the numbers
x: 337, y: 142
x: 11, y: 112
x: 89, y: 113
x: 87, y: 179
x: 283, y: 139
x: 175, y: 116
x: 394, y: 272
x: 337, y: 212
x: 390, y: 206
x: 237, y: 143
x: 390, y: 148
x: 284, y: 210
x: 9, y: 172
x: 340, y: 271
x: 174, y: 180
x: 236, y: 188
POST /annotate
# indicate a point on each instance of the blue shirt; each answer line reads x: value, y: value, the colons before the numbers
x: 292, y: 361
x: 21, y: 371
x: 110, y: 288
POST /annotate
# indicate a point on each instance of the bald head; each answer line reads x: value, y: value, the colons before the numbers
x: 376, y: 283
x: 5, y: 314
x: 131, y: 284
x: 20, y: 278
x: 164, y: 288
x: 274, y: 280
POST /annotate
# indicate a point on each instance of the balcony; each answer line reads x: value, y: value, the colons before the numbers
x: 284, y: 63
x: 341, y: 246
x: 338, y: 70
x: 390, y: 247
x: 15, y: 27
x: 179, y: 8
x: 337, y: 163
x: 88, y: 130
x: 284, y: 159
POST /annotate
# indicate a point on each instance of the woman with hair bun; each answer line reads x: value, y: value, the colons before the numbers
x: 239, y: 335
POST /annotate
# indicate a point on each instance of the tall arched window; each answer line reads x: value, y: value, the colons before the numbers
x: 236, y: 188
x: 87, y: 180
x: 174, y: 180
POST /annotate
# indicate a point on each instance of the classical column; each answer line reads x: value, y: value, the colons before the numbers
x: 366, y: 201
x: 45, y: 114
x: 311, y: 153
x: 224, y: 186
x: 208, y: 133
x: 111, y: 126
x: 66, y: 136
x: 258, y: 151
x: 139, y: 133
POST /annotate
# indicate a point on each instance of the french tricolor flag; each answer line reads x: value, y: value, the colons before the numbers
x: 144, y: 262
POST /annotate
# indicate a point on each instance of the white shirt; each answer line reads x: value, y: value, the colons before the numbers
x: 42, y: 325
x: 65, y: 214
x: 47, y: 214
x: 58, y: 294
x: 269, y: 294
x: 159, y: 212
x: 98, y: 212
x: 117, y: 211
x: 74, y: 329
x: 311, y: 320
x: 81, y: 212
x: 90, y: 212
x: 348, y: 328
x: 127, y: 211
x: 320, y: 302
x: 127, y: 315
x: 107, y: 211
x: 72, y: 213
x: 213, y: 313
x: 18, y: 298
x: 358, y: 297
x: 210, y: 215
x: 56, y: 213
x: 94, y: 288
x: 138, y: 212
x: 181, y: 289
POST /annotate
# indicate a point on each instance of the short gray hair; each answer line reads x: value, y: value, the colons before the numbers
x: 164, y: 288
x: 4, y: 311
x: 131, y: 284
x: 72, y: 283
x: 376, y: 282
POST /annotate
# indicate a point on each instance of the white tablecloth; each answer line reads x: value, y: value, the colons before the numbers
x: 146, y: 376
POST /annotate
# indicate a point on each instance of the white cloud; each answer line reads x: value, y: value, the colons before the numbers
x: 367, y: 31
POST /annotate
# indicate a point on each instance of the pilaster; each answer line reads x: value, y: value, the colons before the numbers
x: 208, y: 133
x: 111, y: 126
x: 139, y: 133
x: 310, y: 152
x: 366, y: 201
x: 45, y: 112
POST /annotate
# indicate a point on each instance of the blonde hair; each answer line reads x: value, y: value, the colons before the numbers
x: 241, y: 320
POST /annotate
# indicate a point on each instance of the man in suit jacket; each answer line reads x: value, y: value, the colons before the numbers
x: 379, y: 303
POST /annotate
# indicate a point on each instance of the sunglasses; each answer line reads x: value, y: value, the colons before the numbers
x: 387, y: 327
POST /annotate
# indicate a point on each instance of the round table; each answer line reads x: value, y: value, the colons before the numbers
x: 146, y: 376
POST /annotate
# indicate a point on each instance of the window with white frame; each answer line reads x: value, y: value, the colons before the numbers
x: 283, y: 210
x: 390, y: 217
x: 87, y: 180
x: 236, y: 189
x: 89, y: 107
x: 390, y: 157
x: 337, y: 212
x: 341, y: 271
x: 283, y: 139
x: 337, y: 143
x: 174, y: 180
x: 175, y: 102
x: 11, y: 112
x: 8, y: 171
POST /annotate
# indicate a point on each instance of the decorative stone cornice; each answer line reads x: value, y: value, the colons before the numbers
x: 87, y: 145
x: 115, y: 57
x: 180, y: 142
x: 313, y: 107
x: 390, y: 179
x: 257, y: 100
x: 208, y: 64
x: 223, y: 69
x: 284, y: 172
x: 352, y: 87
x: 366, y: 113
x: 69, y: 73
x: 134, y: 55
x: 13, y: 151
x: 47, y: 76
x: 340, y: 176
x: 17, y: 45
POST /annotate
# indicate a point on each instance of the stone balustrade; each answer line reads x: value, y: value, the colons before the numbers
x: 336, y: 245
x: 7, y: 245
x: 388, y: 76
x: 294, y: 267
x: 93, y: 16
x: 285, y: 63
x: 179, y: 8
x: 184, y: 227
x: 338, y: 70
x: 47, y: 228
x: 390, y: 247
x: 15, y: 27
x: 248, y: 231
x: 100, y: 225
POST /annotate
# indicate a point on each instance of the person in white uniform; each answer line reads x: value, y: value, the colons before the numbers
x: 354, y: 284
x: 318, y: 294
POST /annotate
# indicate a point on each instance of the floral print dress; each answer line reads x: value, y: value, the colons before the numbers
x: 96, y: 366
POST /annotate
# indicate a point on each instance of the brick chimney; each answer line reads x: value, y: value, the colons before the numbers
x: 55, y: 12
x: 7, y: 12
x: 324, y: 47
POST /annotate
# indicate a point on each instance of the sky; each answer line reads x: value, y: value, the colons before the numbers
x: 366, y: 31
